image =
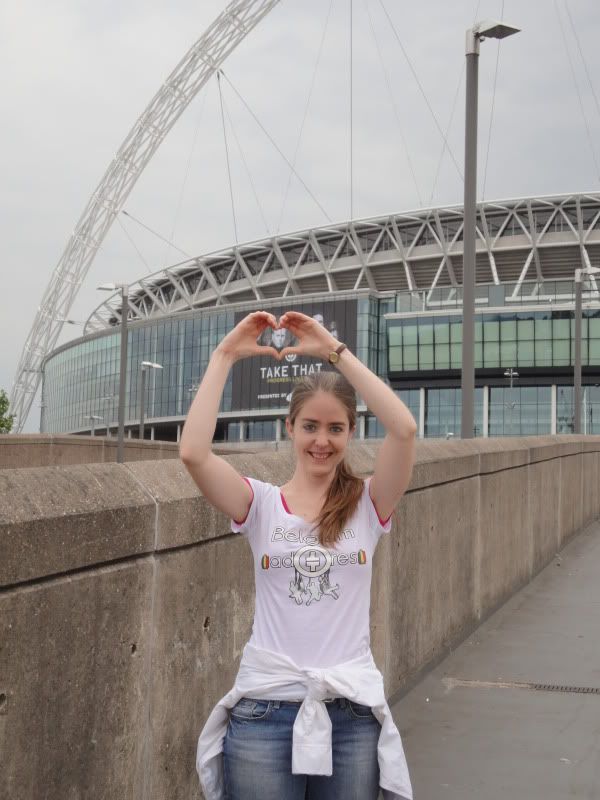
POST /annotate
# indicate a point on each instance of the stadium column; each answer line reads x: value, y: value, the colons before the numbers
x: 553, y: 410
x: 486, y: 411
x: 422, y: 412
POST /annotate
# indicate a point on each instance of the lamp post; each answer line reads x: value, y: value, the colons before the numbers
x: 93, y: 419
x: 511, y: 373
x: 145, y: 365
x: 577, y: 366
x: 124, y: 287
x: 42, y: 406
x: 107, y: 416
x: 490, y: 29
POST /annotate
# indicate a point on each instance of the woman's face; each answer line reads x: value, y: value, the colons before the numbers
x: 320, y: 433
x: 278, y: 337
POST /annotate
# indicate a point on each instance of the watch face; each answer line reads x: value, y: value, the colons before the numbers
x: 333, y: 358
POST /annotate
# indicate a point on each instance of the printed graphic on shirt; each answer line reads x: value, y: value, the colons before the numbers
x: 312, y: 565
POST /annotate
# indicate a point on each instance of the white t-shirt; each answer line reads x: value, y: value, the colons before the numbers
x: 312, y: 603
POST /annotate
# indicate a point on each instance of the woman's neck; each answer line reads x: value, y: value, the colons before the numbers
x: 308, y: 485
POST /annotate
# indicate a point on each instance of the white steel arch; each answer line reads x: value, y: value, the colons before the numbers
x: 201, y: 61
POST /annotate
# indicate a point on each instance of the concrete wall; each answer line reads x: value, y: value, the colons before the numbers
x: 51, y: 450
x: 125, y: 602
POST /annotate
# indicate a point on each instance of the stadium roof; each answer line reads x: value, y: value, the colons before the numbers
x: 525, y: 239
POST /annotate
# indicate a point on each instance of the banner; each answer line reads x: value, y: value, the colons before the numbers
x: 262, y: 382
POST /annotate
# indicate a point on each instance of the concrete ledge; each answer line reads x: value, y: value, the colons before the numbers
x: 23, y: 450
x: 57, y: 519
x: 125, y: 601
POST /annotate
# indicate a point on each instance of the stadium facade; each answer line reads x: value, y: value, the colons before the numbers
x: 390, y: 287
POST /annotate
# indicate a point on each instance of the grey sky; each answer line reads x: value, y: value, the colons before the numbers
x: 77, y: 75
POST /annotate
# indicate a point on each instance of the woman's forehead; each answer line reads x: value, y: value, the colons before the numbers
x: 324, y: 405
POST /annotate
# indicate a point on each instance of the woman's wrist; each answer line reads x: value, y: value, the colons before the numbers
x: 332, y: 345
x: 223, y: 356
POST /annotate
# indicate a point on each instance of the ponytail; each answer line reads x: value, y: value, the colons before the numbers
x: 342, y: 499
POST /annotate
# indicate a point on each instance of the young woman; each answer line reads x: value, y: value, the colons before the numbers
x: 307, y: 718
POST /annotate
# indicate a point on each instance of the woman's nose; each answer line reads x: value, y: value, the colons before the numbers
x: 321, y: 440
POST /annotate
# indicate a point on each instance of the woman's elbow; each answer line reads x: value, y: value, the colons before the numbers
x: 189, y: 455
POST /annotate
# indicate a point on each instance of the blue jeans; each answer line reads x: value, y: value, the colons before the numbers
x: 257, y: 753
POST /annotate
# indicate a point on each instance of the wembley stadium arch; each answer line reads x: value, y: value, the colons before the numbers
x: 391, y: 288
x: 195, y: 69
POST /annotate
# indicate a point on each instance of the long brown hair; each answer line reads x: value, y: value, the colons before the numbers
x: 346, y: 488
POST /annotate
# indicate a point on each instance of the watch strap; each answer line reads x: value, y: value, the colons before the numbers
x: 334, y: 356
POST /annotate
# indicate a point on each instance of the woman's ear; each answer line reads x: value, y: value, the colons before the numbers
x: 288, y: 427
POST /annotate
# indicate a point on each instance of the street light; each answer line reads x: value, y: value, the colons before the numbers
x: 111, y: 287
x: 145, y: 365
x: 94, y: 418
x: 106, y: 399
x: 490, y: 29
x: 510, y: 373
x: 577, y: 371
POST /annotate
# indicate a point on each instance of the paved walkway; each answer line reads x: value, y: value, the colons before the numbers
x: 478, y: 740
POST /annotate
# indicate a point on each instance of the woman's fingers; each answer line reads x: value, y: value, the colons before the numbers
x: 295, y: 314
x: 263, y: 350
x: 266, y: 319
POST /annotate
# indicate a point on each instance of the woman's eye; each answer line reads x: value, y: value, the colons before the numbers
x: 337, y: 429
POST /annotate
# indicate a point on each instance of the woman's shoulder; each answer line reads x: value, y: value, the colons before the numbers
x: 261, y: 489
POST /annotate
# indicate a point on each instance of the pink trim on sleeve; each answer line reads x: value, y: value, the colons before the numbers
x: 382, y: 522
x: 249, y: 507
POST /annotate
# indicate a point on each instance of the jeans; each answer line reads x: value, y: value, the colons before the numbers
x: 257, y: 753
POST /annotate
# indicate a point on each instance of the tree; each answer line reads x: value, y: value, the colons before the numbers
x: 6, y: 419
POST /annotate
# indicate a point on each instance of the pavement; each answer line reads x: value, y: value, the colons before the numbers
x: 471, y: 732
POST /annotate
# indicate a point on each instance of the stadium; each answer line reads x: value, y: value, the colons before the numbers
x: 390, y: 287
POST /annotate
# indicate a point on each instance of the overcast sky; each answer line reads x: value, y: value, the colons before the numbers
x: 76, y: 75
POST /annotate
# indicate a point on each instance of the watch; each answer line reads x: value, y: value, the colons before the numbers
x: 334, y: 356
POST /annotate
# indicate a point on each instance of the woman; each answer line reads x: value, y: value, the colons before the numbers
x: 307, y: 718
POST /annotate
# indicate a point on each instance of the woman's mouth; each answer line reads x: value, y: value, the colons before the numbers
x: 320, y: 457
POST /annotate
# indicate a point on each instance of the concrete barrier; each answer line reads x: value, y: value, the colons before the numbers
x: 125, y: 601
x: 52, y: 450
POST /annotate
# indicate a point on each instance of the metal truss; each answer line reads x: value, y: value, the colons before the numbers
x: 203, y: 59
x: 518, y: 242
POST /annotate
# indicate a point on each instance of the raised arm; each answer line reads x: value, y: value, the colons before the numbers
x: 218, y: 481
x: 395, y: 459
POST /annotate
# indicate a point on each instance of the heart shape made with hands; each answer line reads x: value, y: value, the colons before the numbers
x: 297, y: 334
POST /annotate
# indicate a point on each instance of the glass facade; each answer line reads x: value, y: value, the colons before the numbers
x: 443, y: 409
x: 517, y: 339
x: 411, y: 399
x: 494, y: 295
x: 83, y: 380
x: 411, y: 352
x: 260, y: 430
x: 520, y: 411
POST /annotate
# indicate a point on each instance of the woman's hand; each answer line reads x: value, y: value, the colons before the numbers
x: 241, y: 341
x: 313, y: 339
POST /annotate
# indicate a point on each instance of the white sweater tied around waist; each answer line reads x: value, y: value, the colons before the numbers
x: 266, y: 675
